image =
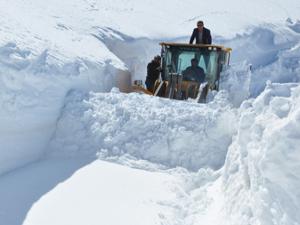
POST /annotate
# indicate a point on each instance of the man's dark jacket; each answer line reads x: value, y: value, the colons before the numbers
x: 206, y: 37
x: 153, y: 71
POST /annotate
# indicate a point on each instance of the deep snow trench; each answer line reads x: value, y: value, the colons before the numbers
x: 74, y: 150
x: 225, y: 154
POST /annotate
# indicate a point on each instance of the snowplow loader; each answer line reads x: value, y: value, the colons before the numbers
x: 176, y: 58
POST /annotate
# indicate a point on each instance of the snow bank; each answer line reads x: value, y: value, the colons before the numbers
x: 32, y: 94
x: 261, y: 173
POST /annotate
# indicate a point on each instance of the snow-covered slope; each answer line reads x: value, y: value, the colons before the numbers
x: 232, y: 161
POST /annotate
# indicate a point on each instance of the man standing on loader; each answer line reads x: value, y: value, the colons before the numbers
x: 201, y: 34
x: 153, y: 71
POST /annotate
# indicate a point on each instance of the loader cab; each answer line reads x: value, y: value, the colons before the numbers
x: 176, y: 58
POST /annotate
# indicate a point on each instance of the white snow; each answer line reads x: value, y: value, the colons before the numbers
x: 75, y: 150
x: 131, y: 195
x: 145, y: 127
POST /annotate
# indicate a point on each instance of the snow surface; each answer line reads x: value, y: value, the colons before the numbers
x: 75, y: 150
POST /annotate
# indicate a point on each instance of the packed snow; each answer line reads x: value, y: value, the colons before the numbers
x: 75, y: 149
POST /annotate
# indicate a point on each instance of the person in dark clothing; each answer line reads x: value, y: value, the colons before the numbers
x: 153, y: 71
x: 201, y: 34
x: 194, y: 72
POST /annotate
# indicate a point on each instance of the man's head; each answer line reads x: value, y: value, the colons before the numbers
x: 157, y: 58
x: 194, y: 62
x: 200, y: 25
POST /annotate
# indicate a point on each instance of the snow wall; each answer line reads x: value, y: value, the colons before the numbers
x: 261, y: 173
x: 32, y: 93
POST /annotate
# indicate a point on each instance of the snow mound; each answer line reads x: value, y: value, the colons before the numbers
x: 173, y: 133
